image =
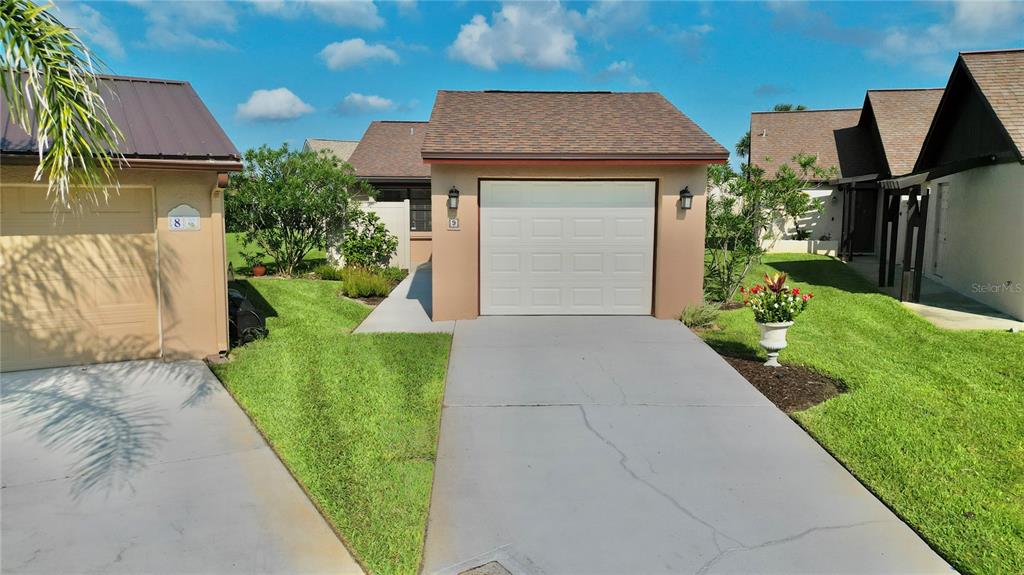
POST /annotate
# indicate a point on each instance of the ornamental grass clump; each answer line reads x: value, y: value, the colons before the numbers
x: 775, y: 302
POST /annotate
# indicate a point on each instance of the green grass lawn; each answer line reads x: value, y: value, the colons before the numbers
x: 934, y: 419
x: 236, y: 245
x: 355, y: 417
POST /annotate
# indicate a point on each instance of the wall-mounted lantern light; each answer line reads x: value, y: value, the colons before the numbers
x: 685, y: 198
x: 453, y: 198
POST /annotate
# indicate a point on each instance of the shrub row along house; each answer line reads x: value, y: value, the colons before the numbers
x: 550, y: 202
x: 141, y: 274
x: 929, y: 182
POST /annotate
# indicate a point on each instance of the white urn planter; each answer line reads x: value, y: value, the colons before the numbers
x: 773, y: 340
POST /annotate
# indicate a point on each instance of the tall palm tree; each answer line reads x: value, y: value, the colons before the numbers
x: 48, y: 79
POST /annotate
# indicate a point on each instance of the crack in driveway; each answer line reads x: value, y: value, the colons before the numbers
x: 723, y: 553
x: 739, y: 547
x: 715, y: 532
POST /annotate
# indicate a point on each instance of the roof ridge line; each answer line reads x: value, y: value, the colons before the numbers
x: 803, y: 111
x: 905, y: 89
x: 995, y: 51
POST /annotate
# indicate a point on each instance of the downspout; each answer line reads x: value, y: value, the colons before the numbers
x: 220, y: 261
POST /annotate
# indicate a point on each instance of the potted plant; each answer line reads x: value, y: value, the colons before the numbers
x: 255, y: 262
x: 775, y: 307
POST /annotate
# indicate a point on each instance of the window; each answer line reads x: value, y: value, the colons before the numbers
x: 419, y: 208
x: 419, y: 204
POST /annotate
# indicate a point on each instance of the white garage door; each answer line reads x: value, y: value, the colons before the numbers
x: 566, y: 247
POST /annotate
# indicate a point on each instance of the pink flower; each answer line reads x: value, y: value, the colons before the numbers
x: 806, y: 298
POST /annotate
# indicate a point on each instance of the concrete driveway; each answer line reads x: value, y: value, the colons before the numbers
x: 626, y: 445
x: 148, y: 467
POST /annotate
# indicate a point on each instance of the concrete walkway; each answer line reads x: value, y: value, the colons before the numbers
x: 941, y: 305
x: 148, y: 467
x: 626, y: 445
x: 408, y: 308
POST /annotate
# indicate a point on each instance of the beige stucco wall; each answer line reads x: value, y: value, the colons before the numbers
x: 679, y: 237
x: 984, y: 249
x: 420, y: 247
x: 191, y: 268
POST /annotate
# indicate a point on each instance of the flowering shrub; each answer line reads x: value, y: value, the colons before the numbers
x: 774, y: 301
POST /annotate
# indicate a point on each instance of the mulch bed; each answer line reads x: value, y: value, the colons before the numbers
x: 791, y: 388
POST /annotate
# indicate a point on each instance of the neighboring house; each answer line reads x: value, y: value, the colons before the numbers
x: 141, y: 274
x: 931, y: 181
x: 342, y: 149
x: 566, y: 203
x: 970, y: 175
x: 776, y: 137
x: 388, y: 157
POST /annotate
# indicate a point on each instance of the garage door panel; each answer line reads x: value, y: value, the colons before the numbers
x: 588, y: 247
x: 77, y: 297
x: 588, y: 263
x: 546, y: 228
x: 587, y: 229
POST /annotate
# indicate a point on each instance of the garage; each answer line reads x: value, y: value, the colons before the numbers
x: 562, y: 247
x: 135, y: 272
x: 78, y: 292
x: 565, y: 203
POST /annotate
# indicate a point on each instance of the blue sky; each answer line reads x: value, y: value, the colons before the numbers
x: 276, y: 71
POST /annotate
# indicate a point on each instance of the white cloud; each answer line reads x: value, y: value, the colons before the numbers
x: 354, y: 13
x: 959, y: 25
x: 970, y: 25
x: 177, y: 25
x: 341, y: 55
x: 543, y: 34
x: 273, y: 105
x: 356, y: 103
x: 539, y: 35
x: 407, y: 7
x: 91, y: 27
x: 620, y: 70
x: 609, y: 18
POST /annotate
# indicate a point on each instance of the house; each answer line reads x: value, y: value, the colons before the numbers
x: 341, y: 149
x: 388, y: 157
x: 969, y: 181
x: 776, y: 137
x: 930, y: 181
x: 141, y: 274
x: 565, y: 203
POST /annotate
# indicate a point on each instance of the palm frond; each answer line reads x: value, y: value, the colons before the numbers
x: 50, y: 85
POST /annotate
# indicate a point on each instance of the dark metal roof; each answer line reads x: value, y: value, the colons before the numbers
x: 159, y: 119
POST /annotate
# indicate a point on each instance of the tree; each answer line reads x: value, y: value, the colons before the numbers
x: 741, y: 216
x: 291, y: 202
x: 788, y: 108
x: 743, y: 147
x: 49, y: 84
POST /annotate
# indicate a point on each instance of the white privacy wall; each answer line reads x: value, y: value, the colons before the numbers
x: 395, y: 216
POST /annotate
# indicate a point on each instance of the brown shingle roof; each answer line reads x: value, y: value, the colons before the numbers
x: 391, y: 150
x: 775, y: 137
x: 160, y: 119
x: 1000, y: 75
x: 903, y: 118
x: 564, y: 125
x: 342, y: 149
